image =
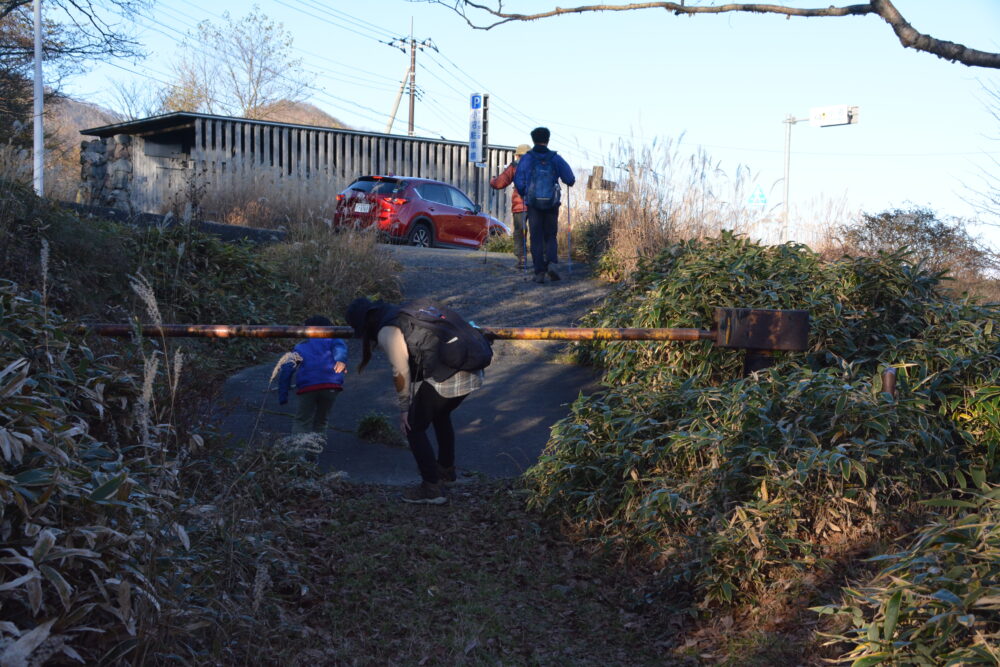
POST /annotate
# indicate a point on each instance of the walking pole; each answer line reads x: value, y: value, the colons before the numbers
x: 527, y: 247
x: 569, y: 224
x: 486, y: 221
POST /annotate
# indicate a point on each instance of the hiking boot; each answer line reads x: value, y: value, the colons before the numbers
x: 539, y: 277
x: 424, y: 494
x: 447, y: 476
x: 521, y: 264
x: 553, y: 276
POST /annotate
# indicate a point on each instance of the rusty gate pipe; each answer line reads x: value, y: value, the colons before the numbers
x: 217, y: 331
x: 285, y: 331
x: 577, y: 333
x: 737, y: 328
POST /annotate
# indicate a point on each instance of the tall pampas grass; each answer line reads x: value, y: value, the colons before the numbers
x: 144, y: 407
x: 668, y: 195
x: 144, y: 290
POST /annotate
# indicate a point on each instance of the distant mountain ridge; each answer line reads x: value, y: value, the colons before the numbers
x: 301, y: 113
x: 66, y: 116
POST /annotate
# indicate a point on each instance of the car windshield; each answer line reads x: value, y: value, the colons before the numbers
x: 378, y: 186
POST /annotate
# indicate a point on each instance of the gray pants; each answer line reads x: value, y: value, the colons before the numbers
x: 519, y: 235
x: 312, y: 410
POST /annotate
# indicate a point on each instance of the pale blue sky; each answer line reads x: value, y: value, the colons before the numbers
x: 724, y: 83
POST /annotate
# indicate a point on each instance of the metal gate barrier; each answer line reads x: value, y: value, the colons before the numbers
x: 760, y: 332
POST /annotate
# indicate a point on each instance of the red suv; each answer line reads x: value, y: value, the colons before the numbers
x: 418, y: 211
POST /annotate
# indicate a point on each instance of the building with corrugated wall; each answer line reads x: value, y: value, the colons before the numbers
x: 149, y: 165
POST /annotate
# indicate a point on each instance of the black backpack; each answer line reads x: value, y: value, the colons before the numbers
x: 543, y: 185
x: 441, y: 342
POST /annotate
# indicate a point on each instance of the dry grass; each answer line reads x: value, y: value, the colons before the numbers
x: 15, y: 164
x: 331, y: 268
x: 669, y: 196
x: 262, y: 203
x: 62, y: 169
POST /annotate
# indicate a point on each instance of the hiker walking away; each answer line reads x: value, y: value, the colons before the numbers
x: 318, y: 365
x: 517, y: 206
x: 537, y: 179
x: 428, y: 386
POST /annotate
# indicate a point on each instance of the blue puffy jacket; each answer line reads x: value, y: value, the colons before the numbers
x: 522, y: 177
x: 315, y: 371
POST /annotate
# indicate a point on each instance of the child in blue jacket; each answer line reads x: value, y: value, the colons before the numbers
x: 319, y: 376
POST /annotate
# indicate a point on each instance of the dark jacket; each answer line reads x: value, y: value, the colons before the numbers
x: 315, y: 371
x: 522, y: 177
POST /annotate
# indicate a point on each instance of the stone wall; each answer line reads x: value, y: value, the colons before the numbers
x: 106, y: 172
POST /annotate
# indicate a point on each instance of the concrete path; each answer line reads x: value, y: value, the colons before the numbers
x: 502, y: 428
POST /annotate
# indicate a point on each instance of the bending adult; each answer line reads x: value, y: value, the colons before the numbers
x: 422, y: 402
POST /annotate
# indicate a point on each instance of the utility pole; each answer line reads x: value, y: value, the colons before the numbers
x: 402, y: 43
x: 39, y: 147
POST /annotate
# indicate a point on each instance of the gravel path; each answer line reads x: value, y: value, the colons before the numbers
x: 488, y: 289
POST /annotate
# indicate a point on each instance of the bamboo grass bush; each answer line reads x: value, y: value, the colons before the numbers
x: 124, y: 517
x: 744, y: 487
x: 84, y: 493
x: 937, y: 600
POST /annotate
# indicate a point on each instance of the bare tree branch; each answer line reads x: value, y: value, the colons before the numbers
x: 908, y: 36
x: 239, y: 67
x: 93, y: 28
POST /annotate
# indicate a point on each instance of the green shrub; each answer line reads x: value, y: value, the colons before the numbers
x: 376, y: 427
x: 593, y: 237
x: 738, y: 482
x: 86, y: 490
x: 937, y: 601
x: 500, y: 243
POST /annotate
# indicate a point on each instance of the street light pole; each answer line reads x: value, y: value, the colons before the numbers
x: 818, y: 117
x: 789, y: 121
x: 413, y: 77
x: 39, y: 145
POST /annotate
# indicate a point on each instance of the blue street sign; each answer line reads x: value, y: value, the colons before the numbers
x: 477, y: 128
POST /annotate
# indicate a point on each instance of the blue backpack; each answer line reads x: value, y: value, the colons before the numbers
x: 543, y: 186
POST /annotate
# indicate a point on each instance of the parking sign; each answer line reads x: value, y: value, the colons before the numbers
x: 478, y: 120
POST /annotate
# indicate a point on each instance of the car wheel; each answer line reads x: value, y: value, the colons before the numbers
x: 421, y: 235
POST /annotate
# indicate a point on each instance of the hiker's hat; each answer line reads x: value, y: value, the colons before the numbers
x: 521, y: 150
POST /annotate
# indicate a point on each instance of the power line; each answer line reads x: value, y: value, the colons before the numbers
x: 336, y: 75
x: 336, y: 20
x: 337, y: 101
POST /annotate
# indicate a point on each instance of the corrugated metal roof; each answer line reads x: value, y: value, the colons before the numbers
x: 180, y: 119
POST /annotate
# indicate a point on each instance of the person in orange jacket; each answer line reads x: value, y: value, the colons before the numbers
x: 517, y: 206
